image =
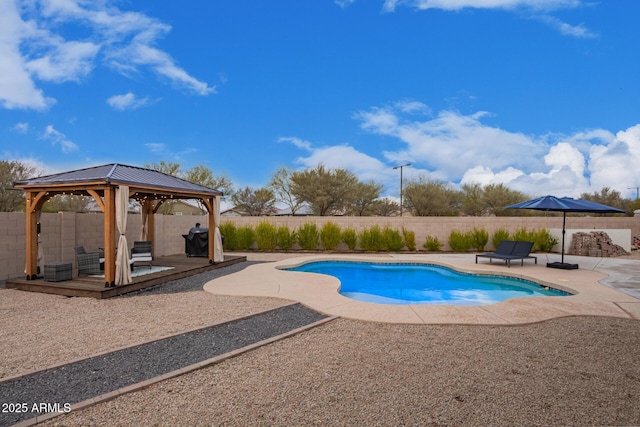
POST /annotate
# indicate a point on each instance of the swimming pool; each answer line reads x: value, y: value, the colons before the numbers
x: 417, y: 283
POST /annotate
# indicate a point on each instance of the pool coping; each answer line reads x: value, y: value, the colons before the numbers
x: 319, y: 292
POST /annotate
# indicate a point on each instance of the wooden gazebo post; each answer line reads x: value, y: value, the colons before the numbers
x: 109, y: 236
x: 35, y: 200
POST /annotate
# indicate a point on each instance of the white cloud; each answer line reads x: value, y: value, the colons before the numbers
x: 347, y: 157
x: 300, y: 143
x: 58, y: 138
x: 156, y: 147
x: 459, y: 149
x: 390, y: 5
x: 532, y: 6
x: 17, y: 89
x: 128, y: 101
x: 21, y: 127
x: 33, y: 47
x: 364, y: 166
x: 485, y: 176
x: 65, y: 61
x: 615, y: 165
x: 577, y: 31
x: 344, y: 3
x: 452, y: 143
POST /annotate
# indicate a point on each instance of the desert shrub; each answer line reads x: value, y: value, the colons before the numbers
x: 479, y: 238
x: 409, y: 239
x: 266, y: 234
x: 245, y: 236
x: 544, y: 241
x: 285, y: 238
x: 308, y: 236
x: 228, y: 230
x: 460, y: 242
x: 350, y: 238
x: 432, y: 244
x: 498, y: 236
x: 371, y: 239
x: 330, y: 236
x: 524, y: 235
x: 392, y: 239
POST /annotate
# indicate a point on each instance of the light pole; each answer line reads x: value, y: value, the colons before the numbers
x: 637, y: 191
x: 400, y: 167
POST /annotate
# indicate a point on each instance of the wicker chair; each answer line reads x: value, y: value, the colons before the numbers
x: 88, y: 262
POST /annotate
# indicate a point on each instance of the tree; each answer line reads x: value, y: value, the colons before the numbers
x: 609, y: 197
x: 66, y: 203
x: 430, y: 198
x: 202, y: 175
x: 364, y: 197
x: 386, y: 207
x: 497, y: 197
x: 472, y: 203
x: 282, y: 187
x: 327, y: 191
x: 199, y: 174
x: 12, y: 199
x: 254, y: 202
x: 169, y: 168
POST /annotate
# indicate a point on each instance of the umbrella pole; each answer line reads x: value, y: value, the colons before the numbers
x: 564, y: 221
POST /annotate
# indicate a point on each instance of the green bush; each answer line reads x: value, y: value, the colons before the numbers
x: 544, y: 241
x: 432, y: 244
x: 228, y: 230
x: 409, y: 239
x: 245, y: 236
x: 308, y: 236
x: 479, y: 238
x: 285, y: 238
x: 330, y: 236
x: 460, y: 242
x: 371, y: 239
x: 392, y: 239
x: 499, y: 235
x: 524, y: 235
x: 266, y: 236
x: 350, y: 238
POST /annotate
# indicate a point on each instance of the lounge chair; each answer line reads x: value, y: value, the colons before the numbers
x: 141, y: 252
x: 509, y: 250
x: 88, y: 262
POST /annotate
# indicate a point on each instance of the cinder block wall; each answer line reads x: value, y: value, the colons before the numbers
x: 441, y: 227
x: 61, y: 232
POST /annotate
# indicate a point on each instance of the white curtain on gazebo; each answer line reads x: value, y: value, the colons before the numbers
x: 218, y: 256
x: 144, y: 219
x: 123, y: 271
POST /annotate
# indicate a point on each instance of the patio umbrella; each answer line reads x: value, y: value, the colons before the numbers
x: 564, y: 205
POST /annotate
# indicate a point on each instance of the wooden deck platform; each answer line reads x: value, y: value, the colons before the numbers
x: 93, y: 287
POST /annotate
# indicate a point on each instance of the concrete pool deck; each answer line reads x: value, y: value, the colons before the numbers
x: 601, y: 287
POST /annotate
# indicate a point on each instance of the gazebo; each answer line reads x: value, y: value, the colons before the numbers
x: 112, y: 186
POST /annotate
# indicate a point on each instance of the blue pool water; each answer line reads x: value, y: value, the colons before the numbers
x: 413, y: 283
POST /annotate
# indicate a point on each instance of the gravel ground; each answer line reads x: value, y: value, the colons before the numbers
x: 572, y: 371
x: 43, y: 330
x: 88, y: 378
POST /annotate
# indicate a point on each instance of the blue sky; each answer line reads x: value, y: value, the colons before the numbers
x: 541, y: 95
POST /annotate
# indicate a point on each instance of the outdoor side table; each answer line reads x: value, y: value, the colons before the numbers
x: 57, y: 272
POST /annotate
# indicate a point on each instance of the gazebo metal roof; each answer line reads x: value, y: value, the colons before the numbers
x: 118, y: 174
